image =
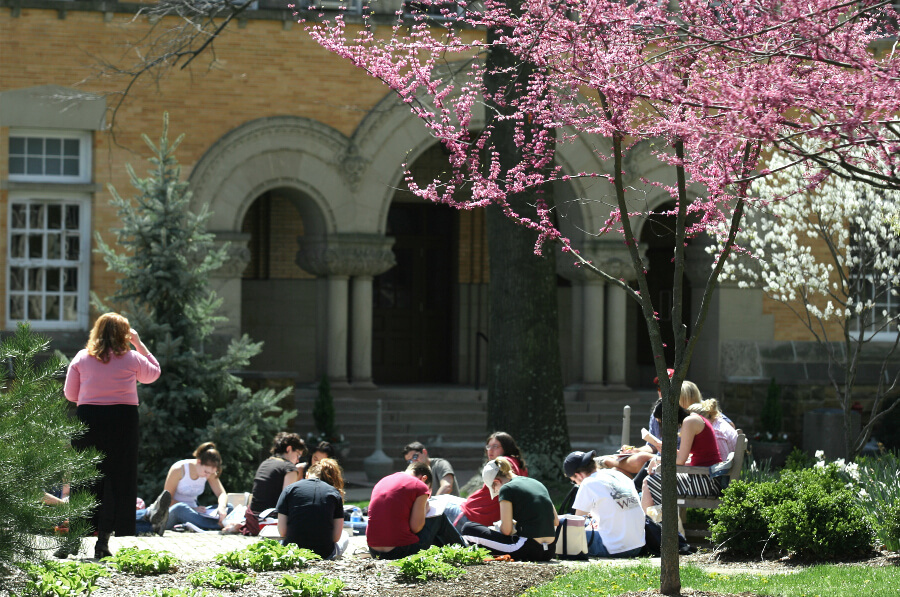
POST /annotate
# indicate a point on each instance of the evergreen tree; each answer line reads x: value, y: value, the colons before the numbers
x: 36, y: 452
x: 166, y: 260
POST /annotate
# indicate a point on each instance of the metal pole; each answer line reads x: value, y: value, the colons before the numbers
x: 626, y: 425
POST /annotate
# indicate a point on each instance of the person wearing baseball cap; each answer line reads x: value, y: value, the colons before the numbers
x: 609, y: 498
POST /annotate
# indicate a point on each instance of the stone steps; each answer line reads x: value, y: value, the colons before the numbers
x: 452, y: 421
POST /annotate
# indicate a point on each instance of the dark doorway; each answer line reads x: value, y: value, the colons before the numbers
x: 412, y: 339
x: 658, y: 237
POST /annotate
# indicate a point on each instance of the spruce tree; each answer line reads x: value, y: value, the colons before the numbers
x: 166, y: 258
x: 36, y: 453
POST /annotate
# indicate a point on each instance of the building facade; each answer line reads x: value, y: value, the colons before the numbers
x: 300, y: 158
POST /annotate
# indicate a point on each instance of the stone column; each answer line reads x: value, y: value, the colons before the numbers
x: 361, y: 334
x: 615, y: 261
x: 226, y: 281
x: 617, y: 330
x: 593, y: 324
x: 336, y: 363
x: 704, y: 371
x: 349, y: 261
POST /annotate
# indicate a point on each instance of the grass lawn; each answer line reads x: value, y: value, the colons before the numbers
x: 816, y: 581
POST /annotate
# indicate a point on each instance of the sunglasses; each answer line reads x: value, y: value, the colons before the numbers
x: 414, y: 457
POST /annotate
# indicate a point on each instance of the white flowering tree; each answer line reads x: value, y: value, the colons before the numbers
x: 832, y: 256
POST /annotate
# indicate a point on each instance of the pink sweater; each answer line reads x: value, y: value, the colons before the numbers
x: 90, y: 381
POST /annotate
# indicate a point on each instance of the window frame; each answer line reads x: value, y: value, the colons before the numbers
x: 84, y: 155
x: 84, y: 201
x: 868, y: 277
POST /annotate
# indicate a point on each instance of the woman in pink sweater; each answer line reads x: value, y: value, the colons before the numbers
x: 102, y: 380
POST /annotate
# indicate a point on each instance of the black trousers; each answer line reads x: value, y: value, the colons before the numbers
x: 519, y: 548
x: 114, y: 431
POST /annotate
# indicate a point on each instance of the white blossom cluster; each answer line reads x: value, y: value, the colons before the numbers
x: 828, y: 244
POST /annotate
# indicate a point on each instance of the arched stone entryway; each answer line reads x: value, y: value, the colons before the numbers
x: 342, y: 189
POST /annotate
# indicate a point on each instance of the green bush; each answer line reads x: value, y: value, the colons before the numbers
x: 880, y: 494
x: 310, y: 585
x: 36, y: 454
x: 889, y: 533
x: 63, y: 579
x: 268, y: 555
x: 798, y: 459
x: 177, y: 592
x: 440, y: 562
x: 143, y: 562
x: 829, y: 478
x: 811, y: 512
x: 220, y: 578
x: 741, y: 522
x: 163, y: 258
x: 822, y: 524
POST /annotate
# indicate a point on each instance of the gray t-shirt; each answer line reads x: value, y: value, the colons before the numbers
x: 440, y: 468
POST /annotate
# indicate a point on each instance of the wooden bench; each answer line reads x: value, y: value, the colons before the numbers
x: 740, y: 450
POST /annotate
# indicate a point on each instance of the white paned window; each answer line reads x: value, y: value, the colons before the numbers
x: 47, y: 271
x: 49, y: 156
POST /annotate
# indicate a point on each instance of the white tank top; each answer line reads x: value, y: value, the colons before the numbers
x: 188, y: 490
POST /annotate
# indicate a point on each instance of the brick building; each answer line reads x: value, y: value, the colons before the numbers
x: 300, y: 158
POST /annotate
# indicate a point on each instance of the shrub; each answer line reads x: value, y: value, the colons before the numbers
x: 310, y: 585
x: 440, y: 562
x: 828, y: 477
x: 889, y: 531
x: 163, y: 257
x: 880, y: 494
x: 143, y: 562
x: 177, y: 592
x: 819, y: 523
x: 741, y: 522
x: 36, y: 452
x: 267, y: 555
x: 798, y: 459
x: 220, y: 578
x: 63, y: 579
x: 459, y: 556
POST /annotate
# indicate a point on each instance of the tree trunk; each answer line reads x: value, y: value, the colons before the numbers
x: 525, y: 390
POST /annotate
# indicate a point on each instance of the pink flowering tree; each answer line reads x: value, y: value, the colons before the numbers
x: 713, y: 86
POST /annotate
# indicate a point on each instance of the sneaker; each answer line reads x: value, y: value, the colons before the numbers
x: 158, y: 512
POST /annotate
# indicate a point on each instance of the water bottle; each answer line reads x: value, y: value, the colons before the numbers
x: 356, y: 515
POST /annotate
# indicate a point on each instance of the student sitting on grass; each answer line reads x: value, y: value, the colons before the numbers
x: 311, y: 511
x: 528, y: 518
x: 398, y: 525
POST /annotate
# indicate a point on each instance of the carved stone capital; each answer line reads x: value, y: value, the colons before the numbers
x: 346, y: 254
x: 238, y: 254
x: 351, y: 165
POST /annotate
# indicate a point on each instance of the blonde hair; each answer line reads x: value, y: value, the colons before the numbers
x: 208, y: 455
x: 709, y: 408
x: 109, y: 335
x: 505, y: 467
x: 329, y: 470
x: 690, y: 394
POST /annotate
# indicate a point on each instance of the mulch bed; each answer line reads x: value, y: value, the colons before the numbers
x: 369, y: 578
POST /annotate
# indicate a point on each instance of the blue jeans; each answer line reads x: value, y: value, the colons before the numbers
x: 181, y: 513
x: 437, y: 531
x: 597, y: 549
x: 141, y: 526
x: 455, y: 515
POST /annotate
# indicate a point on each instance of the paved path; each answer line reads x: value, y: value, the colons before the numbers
x: 199, y: 547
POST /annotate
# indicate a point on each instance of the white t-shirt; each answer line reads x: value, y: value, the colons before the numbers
x: 613, y: 503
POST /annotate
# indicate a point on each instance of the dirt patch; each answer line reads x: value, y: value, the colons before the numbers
x: 363, y: 578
